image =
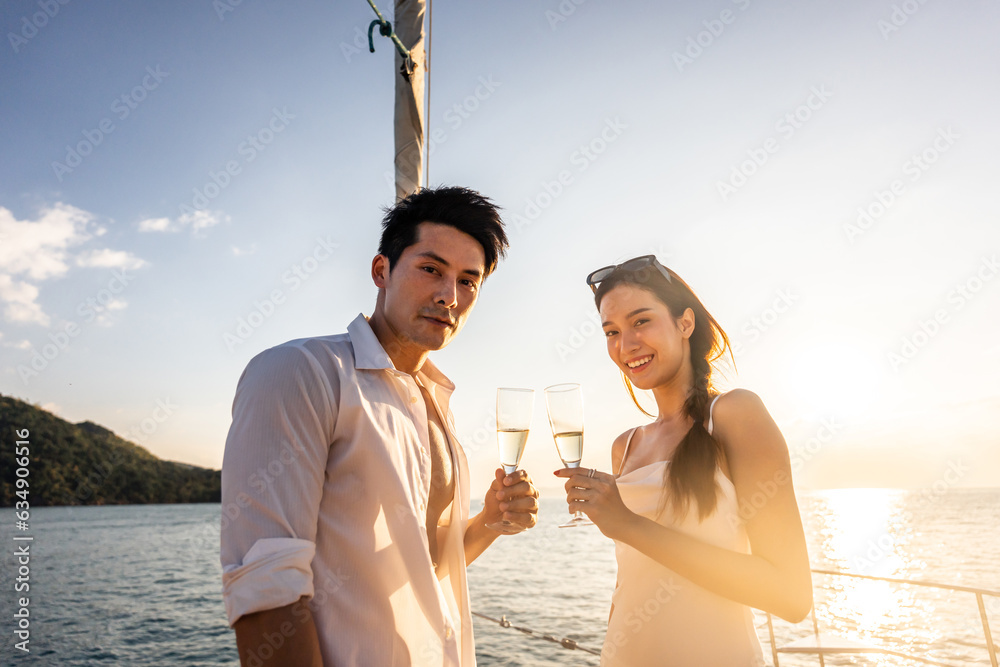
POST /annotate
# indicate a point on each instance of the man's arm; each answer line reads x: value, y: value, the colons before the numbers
x: 289, y: 634
x: 478, y: 537
x: 272, y: 484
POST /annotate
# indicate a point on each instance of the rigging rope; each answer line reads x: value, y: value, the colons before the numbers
x: 385, y: 29
x: 564, y: 642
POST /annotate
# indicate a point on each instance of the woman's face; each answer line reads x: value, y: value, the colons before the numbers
x: 644, y: 339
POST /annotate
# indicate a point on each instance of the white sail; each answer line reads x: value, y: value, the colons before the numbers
x: 409, y: 109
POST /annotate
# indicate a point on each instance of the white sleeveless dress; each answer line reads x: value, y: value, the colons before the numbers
x: 659, y: 617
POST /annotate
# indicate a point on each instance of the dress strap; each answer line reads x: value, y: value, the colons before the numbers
x: 628, y: 442
x: 710, y: 409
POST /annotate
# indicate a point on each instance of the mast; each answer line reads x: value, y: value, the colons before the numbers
x: 408, y: 118
x: 408, y: 124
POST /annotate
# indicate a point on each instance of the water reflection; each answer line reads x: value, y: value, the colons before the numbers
x: 871, y: 532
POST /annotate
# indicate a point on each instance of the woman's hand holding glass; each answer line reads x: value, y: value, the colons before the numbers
x: 596, y: 495
x: 564, y: 403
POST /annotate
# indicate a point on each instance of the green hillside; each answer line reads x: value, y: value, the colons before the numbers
x: 86, y: 464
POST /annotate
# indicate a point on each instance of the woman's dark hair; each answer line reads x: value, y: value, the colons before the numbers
x: 464, y: 209
x: 691, y: 473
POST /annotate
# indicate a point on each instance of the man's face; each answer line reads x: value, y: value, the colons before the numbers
x: 433, y: 287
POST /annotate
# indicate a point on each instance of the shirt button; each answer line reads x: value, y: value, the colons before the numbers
x: 413, y: 399
x: 447, y: 632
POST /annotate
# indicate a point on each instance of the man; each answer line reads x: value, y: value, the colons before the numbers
x: 350, y: 535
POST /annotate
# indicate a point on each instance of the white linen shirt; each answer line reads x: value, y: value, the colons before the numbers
x: 325, y: 481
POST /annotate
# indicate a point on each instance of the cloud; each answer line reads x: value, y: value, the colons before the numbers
x: 109, y: 259
x: 40, y: 248
x: 33, y: 251
x: 103, y: 310
x: 199, y: 220
x: 245, y: 251
x: 196, y: 221
x: 157, y: 225
x: 18, y: 298
x: 19, y: 345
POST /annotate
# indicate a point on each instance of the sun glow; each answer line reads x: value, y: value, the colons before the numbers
x: 865, y: 533
x: 838, y: 378
x: 862, y: 532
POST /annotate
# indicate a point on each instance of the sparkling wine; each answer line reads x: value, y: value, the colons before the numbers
x: 570, y: 446
x: 511, y: 443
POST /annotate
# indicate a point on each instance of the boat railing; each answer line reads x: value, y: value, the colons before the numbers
x: 819, y: 643
x: 824, y: 644
x: 565, y: 642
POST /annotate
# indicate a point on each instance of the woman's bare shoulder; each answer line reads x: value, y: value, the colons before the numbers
x: 743, y: 425
x: 738, y: 402
x: 618, y: 449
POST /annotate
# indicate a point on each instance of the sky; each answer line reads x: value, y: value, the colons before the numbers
x: 185, y: 184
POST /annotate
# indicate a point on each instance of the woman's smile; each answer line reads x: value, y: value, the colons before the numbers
x: 639, y: 364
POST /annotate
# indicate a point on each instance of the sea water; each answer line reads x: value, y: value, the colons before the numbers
x: 140, y: 585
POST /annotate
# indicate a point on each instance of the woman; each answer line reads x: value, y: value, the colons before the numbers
x: 700, y: 502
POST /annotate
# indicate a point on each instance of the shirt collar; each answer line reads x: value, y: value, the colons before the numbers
x: 430, y: 375
x: 368, y: 352
x: 370, y: 355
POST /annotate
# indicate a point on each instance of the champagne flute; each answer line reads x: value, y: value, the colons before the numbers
x: 514, y: 407
x: 565, y: 407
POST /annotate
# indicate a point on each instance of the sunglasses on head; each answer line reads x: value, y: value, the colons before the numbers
x: 632, y: 265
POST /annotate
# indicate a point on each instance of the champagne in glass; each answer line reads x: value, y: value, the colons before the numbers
x: 565, y: 407
x: 570, y: 447
x: 514, y: 407
x: 511, y: 443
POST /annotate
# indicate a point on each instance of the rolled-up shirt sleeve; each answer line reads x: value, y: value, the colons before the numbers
x: 273, y: 472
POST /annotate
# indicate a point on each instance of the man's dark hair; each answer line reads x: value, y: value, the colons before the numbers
x: 464, y: 209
